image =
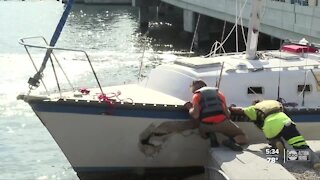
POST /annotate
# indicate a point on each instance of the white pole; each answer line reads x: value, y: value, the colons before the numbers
x: 254, y: 28
x: 237, y: 50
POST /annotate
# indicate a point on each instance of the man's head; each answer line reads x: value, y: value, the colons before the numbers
x: 197, y: 84
x: 254, y: 102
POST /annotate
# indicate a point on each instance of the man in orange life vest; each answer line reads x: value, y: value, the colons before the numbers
x: 209, y: 107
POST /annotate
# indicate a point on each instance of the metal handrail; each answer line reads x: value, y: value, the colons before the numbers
x: 47, y: 47
x: 34, y: 65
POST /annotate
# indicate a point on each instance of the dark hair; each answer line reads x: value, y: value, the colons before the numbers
x: 200, y: 83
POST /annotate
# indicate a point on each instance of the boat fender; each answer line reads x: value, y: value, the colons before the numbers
x: 84, y: 91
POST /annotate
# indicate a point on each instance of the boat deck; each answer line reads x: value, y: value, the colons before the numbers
x: 131, y: 93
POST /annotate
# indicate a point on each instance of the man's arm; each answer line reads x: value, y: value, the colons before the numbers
x: 194, y: 123
x: 236, y: 110
x: 194, y: 110
x: 224, y: 104
x: 194, y: 106
x: 250, y: 112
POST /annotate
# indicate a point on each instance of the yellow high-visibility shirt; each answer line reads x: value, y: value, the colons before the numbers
x: 273, y: 124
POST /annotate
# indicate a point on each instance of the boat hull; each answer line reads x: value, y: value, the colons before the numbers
x: 104, y: 145
x: 95, y: 141
x: 99, y: 139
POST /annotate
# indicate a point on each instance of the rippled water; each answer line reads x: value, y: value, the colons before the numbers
x: 111, y: 36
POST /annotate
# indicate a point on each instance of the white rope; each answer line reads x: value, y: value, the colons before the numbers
x: 242, y: 30
x: 222, y: 43
x: 240, y: 15
x: 145, y: 42
x: 258, y: 96
x: 264, y: 9
x: 223, y: 31
x: 295, y: 100
x: 214, y: 49
x: 279, y: 78
x: 236, y: 23
x: 194, y: 35
x: 305, y: 81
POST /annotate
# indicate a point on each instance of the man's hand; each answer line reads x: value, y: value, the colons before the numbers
x: 194, y: 109
x: 188, y: 105
x: 235, y: 110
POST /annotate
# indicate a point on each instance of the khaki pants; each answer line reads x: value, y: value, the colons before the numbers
x: 226, y: 127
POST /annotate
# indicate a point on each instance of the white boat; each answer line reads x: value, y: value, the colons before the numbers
x: 139, y: 131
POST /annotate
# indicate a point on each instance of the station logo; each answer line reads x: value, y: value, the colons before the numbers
x: 298, y: 155
x: 292, y: 155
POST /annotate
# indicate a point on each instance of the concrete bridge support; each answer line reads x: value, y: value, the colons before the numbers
x: 189, y: 21
x: 105, y: 2
x: 144, y: 11
x: 206, y: 26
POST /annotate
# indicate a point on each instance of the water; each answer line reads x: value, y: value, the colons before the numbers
x: 111, y: 36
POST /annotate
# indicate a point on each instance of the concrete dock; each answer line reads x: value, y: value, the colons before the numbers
x: 252, y: 164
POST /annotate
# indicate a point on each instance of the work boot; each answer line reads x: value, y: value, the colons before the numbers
x: 230, y: 143
x: 279, y: 145
x: 315, y: 160
x: 316, y: 166
x: 213, y: 140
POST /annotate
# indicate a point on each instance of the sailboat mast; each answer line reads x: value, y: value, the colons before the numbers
x: 253, y: 29
x: 34, y: 81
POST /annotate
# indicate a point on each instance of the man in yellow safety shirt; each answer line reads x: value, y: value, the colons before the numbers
x: 268, y: 116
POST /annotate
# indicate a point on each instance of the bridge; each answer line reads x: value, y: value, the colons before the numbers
x: 284, y: 19
x: 107, y: 2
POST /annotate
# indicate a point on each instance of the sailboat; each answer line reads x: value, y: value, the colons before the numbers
x: 142, y: 128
